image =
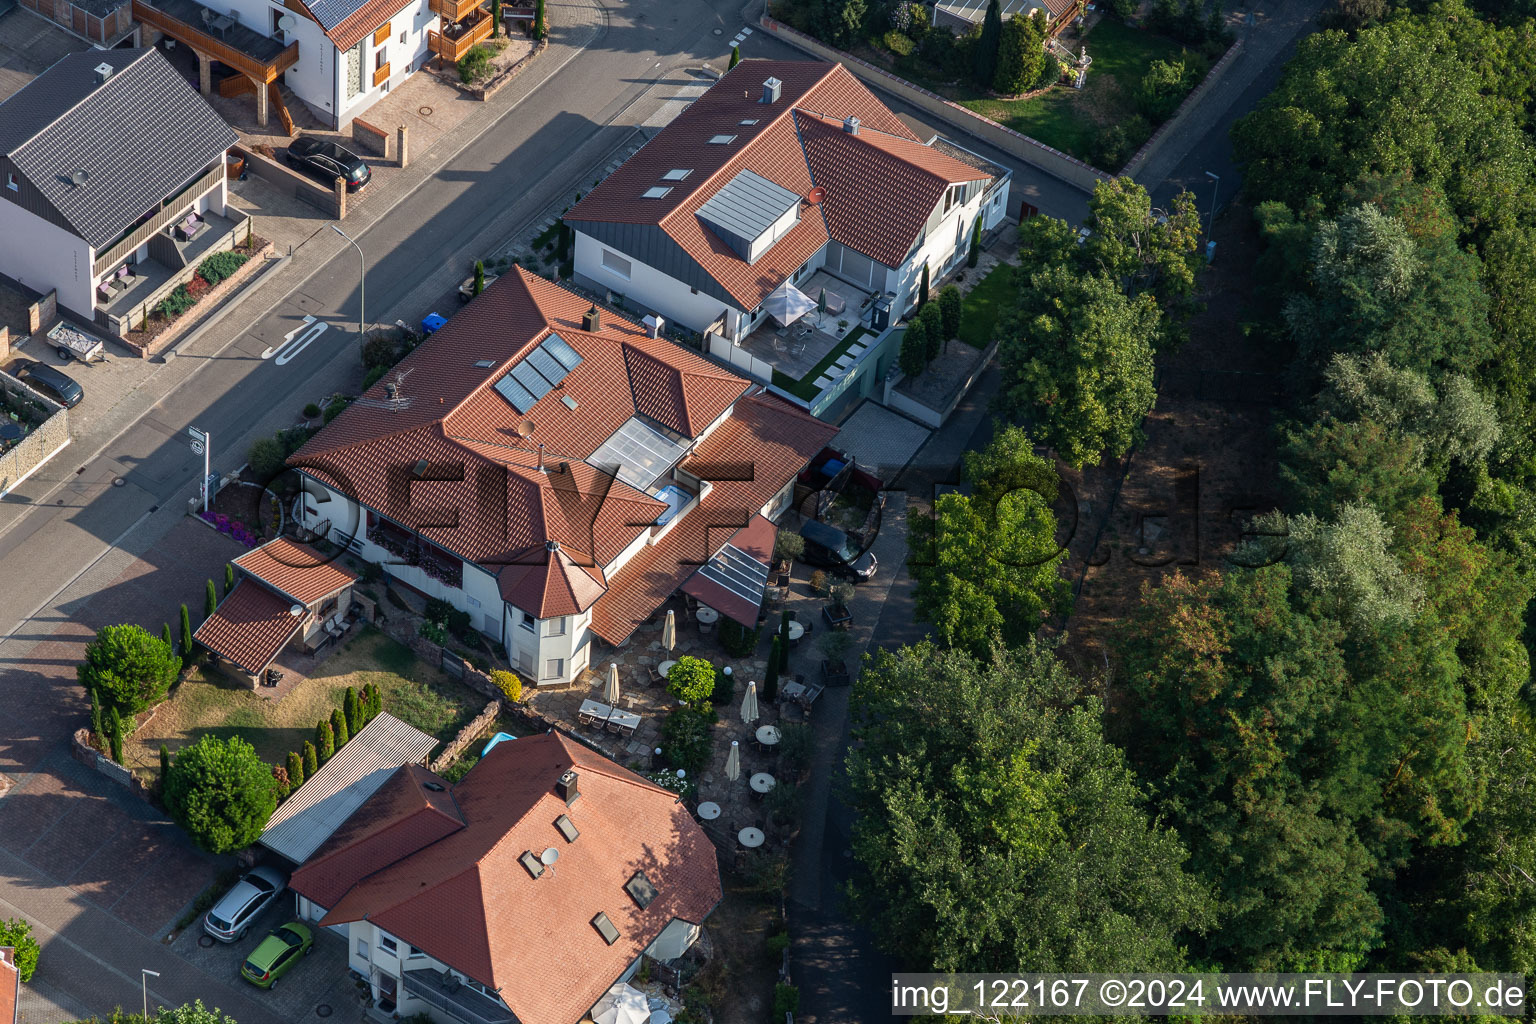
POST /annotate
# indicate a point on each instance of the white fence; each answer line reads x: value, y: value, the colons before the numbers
x: 740, y: 359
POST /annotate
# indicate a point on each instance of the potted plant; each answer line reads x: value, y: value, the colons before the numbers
x: 787, y: 547
x: 834, y: 667
x: 838, y: 615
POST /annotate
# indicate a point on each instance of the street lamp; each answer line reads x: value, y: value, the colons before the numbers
x: 144, y: 975
x: 1212, y: 223
x: 362, y: 282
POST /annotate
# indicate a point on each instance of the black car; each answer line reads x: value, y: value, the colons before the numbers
x: 830, y: 547
x: 324, y: 159
x: 54, y: 383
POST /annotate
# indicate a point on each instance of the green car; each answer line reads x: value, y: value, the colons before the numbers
x: 277, y: 952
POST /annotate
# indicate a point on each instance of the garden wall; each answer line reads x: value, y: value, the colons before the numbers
x: 924, y: 414
x: 42, y: 444
x: 373, y: 140
x: 1176, y: 123
x: 204, y: 308
x: 41, y: 309
x: 467, y: 735
x: 87, y: 755
x: 292, y: 183
x: 1036, y: 154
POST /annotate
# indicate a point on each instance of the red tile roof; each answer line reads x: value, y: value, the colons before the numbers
x: 466, y: 900
x: 297, y: 570
x: 552, y: 583
x: 881, y: 184
x: 766, y: 442
x: 250, y: 626
x: 400, y: 818
x: 755, y: 540
x: 10, y: 986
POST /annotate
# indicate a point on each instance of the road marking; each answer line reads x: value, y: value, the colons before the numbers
x: 291, y: 346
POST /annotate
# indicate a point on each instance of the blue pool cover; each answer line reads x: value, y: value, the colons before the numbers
x: 676, y: 498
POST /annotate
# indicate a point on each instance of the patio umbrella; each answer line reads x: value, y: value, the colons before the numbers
x: 622, y: 1005
x: 611, y: 691
x: 749, y: 705
x: 733, y: 761
x: 821, y: 306
x: 669, y: 631
x: 787, y: 304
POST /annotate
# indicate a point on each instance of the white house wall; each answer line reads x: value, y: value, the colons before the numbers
x: 413, y: 23
x: 646, y: 287
x: 43, y: 256
x: 313, y: 78
x: 945, y: 246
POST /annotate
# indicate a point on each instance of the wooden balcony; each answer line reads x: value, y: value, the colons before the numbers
x: 456, y: 40
x: 453, y: 10
x: 172, y: 209
x: 381, y: 76
x: 242, y: 48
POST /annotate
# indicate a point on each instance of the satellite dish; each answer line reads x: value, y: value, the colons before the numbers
x: 816, y: 195
x: 287, y: 23
x: 80, y: 177
x: 296, y: 610
x: 525, y: 428
x: 549, y: 856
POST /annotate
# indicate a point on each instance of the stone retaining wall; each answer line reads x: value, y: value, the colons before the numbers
x: 1033, y: 152
x: 467, y: 735
x: 37, y: 447
x: 82, y: 751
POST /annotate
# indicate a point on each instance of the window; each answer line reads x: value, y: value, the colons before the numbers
x: 554, y: 668
x: 381, y: 59
x: 555, y: 626
x: 414, y: 953
x: 12, y: 182
x: 655, y: 192
x: 387, y: 944
x: 362, y: 949
x: 677, y: 174
x: 402, y: 37
x: 525, y: 663
x: 527, y: 621
x: 722, y: 140
x: 615, y: 264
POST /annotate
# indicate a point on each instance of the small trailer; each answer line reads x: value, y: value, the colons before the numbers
x: 72, y: 343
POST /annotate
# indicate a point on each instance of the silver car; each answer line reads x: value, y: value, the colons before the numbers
x: 231, y: 917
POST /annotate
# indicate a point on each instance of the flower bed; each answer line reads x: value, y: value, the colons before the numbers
x: 216, y: 275
x: 230, y: 527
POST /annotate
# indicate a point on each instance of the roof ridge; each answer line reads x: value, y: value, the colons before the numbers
x: 773, y: 122
x: 143, y: 53
x: 822, y: 119
x: 425, y: 805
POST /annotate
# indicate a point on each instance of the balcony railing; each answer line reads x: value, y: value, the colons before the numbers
x: 172, y: 209
x: 381, y: 76
x: 453, y: 10
x: 450, y: 995
x: 244, y: 49
x: 454, y: 41
x: 433, y: 561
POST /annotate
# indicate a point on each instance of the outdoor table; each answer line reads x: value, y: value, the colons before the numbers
x: 593, y: 710
x: 707, y: 615
x: 762, y: 782
x: 709, y: 810
x: 750, y: 837
x: 665, y: 668
x: 792, y: 691
x: 624, y: 719
x: 768, y: 735
x: 796, y: 630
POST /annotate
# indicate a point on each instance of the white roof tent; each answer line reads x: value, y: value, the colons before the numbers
x: 975, y: 11
x: 327, y: 798
x: 751, y: 213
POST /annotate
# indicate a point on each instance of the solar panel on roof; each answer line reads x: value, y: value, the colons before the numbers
x: 531, y: 379
x: 563, y: 353
x: 514, y: 393
x: 547, y: 367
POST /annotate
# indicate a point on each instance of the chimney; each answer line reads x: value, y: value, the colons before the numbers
x: 103, y: 72
x: 851, y: 125
x: 592, y: 320
x: 566, y: 787
x: 771, y: 89
x: 653, y: 325
x: 541, y: 456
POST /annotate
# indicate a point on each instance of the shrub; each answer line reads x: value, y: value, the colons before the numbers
x: 820, y: 581
x: 438, y: 610
x: 165, y: 763
x: 933, y: 330
x: 786, y: 1000
x: 1162, y: 89
x: 380, y: 350
x: 128, y: 668
x: 339, y: 728
x: 913, y: 357
x: 325, y: 740
x: 1050, y: 71
x: 796, y: 744
x: 691, y: 680
x: 229, y: 577
x: 898, y: 43
x: 783, y: 804
x: 788, y: 546
x: 311, y: 411
x: 974, y: 256
x: 295, y: 770
x: 508, y: 683
x: 176, y: 303
x: 17, y: 933
x: 334, y: 407
x: 433, y: 632
x: 165, y: 634
x: 725, y: 688
x: 951, y: 310
x: 221, y: 793
x: 98, y: 730
x: 777, y: 944
x: 372, y: 572
x: 739, y: 641
x: 266, y: 457
x: 220, y: 266
x: 475, y: 64
x: 210, y: 600
x: 373, y: 376
x: 922, y: 288
x: 115, y: 734
x: 686, y: 737
x: 352, y: 710
x: 281, y: 781
x: 311, y: 759
x: 188, y: 650
x: 840, y: 593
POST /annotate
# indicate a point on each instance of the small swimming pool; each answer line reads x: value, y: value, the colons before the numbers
x: 676, y: 498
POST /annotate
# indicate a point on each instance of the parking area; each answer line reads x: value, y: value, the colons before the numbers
x: 882, y: 441
x: 321, y: 978
x: 29, y: 44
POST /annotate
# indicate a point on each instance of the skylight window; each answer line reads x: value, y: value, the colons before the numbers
x: 747, y: 121
x: 677, y: 174
x: 567, y: 828
x: 534, y: 866
x: 637, y: 453
x: 605, y: 928
x: 640, y: 889
x: 722, y: 140
x: 656, y: 192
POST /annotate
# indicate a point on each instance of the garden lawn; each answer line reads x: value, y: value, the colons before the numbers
x: 984, y: 304
x: 806, y: 387
x: 1069, y: 119
x: 209, y: 702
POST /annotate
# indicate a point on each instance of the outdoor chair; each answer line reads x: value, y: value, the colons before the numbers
x: 655, y: 677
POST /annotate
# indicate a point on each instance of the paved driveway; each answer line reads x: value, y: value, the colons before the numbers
x: 320, y: 979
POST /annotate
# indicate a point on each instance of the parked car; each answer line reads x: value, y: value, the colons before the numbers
x: 231, y: 917
x: 321, y: 158
x: 467, y: 286
x: 827, y: 546
x: 280, y: 950
x: 53, y: 382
